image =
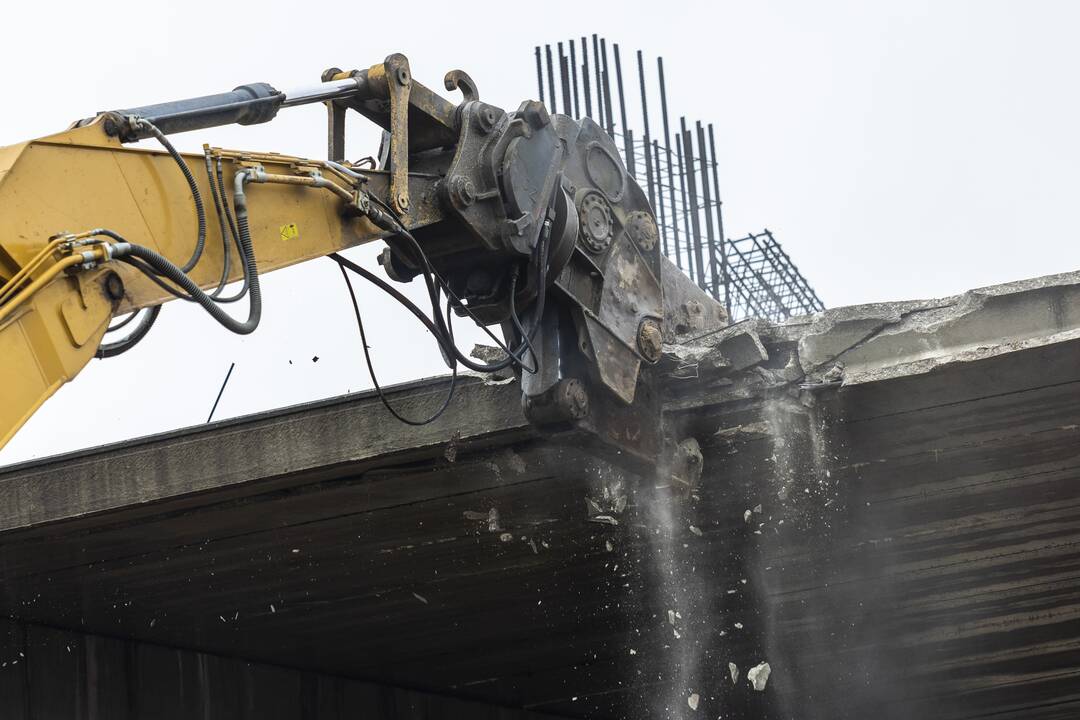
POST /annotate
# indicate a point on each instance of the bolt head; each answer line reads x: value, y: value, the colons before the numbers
x: 650, y: 340
x: 462, y: 192
x: 114, y: 287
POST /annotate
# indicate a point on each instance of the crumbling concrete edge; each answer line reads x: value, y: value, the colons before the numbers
x: 871, y: 343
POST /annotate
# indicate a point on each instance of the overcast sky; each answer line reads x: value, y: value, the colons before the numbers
x: 896, y: 149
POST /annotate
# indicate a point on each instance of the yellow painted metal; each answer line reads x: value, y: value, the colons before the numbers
x: 52, y: 319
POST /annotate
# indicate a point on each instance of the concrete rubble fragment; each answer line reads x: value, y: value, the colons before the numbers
x: 733, y: 670
x: 759, y: 675
x: 693, y: 701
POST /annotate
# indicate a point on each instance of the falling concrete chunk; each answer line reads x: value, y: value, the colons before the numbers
x: 759, y: 675
x: 620, y: 504
x: 733, y: 669
x: 671, y: 617
x: 420, y: 597
x: 506, y: 537
x: 747, y: 515
x: 693, y: 701
x: 695, y: 530
x: 738, y: 626
x: 757, y: 509
x: 604, y: 520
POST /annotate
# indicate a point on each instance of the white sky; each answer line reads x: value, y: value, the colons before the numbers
x: 897, y: 149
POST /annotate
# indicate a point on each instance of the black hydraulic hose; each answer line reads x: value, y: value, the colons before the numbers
x: 123, y: 323
x: 126, y: 251
x: 200, y: 212
x: 525, y: 338
x: 164, y: 267
x: 239, y: 295
x: 371, y: 368
x: 112, y: 349
x: 155, y: 277
x: 513, y: 356
x: 226, y: 256
x: 391, y: 291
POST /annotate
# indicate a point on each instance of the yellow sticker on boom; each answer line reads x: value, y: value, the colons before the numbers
x: 290, y: 232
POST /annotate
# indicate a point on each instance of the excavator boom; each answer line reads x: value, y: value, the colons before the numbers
x: 518, y: 219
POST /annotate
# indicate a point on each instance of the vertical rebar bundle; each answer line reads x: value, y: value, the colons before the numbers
x: 751, y: 276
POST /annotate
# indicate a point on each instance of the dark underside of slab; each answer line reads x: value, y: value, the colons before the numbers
x: 915, y: 553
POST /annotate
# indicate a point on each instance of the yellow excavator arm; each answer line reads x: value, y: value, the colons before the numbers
x: 522, y: 219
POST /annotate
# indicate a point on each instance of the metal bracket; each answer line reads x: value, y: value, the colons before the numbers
x: 459, y: 79
x: 398, y: 84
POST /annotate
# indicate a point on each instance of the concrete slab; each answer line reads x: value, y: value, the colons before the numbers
x: 887, y: 516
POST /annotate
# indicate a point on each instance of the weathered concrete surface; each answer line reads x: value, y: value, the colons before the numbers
x: 886, y: 340
x: 889, y: 516
x: 51, y: 673
x: 303, y: 443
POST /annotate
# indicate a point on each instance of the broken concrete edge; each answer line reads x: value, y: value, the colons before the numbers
x: 879, y: 341
x: 299, y: 443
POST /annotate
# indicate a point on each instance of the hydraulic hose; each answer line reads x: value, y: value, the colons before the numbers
x: 219, y: 181
x: 226, y: 256
x: 126, y: 251
x: 200, y: 212
x: 112, y: 349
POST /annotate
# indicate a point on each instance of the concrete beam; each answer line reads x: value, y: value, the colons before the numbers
x: 303, y: 443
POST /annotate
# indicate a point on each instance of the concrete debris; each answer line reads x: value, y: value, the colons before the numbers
x: 738, y: 626
x: 494, y: 379
x: 491, y: 517
x: 759, y: 675
x: 608, y: 546
x: 514, y: 461
x: 741, y: 431
x: 420, y: 597
x: 506, y: 537
x: 604, y: 520
x: 686, y: 464
x: 693, y: 701
x: 671, y: 617
x: 451, y: 451
x: 740, y: 344
x: 696, y: 530
x: 747, y: 515
x: 486, y: 353
x: 490, y: 354
x: 757, y: 509
x: 733, y: 670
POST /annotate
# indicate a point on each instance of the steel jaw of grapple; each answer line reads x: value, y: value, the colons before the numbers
x: 602, y: 329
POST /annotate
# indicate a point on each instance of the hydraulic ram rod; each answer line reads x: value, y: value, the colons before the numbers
x: 245, y: 105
